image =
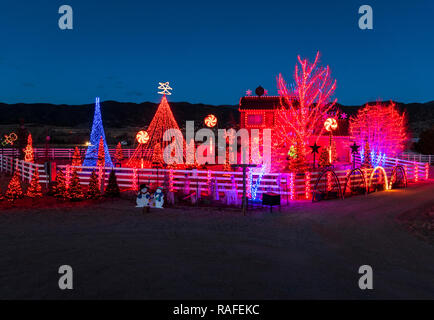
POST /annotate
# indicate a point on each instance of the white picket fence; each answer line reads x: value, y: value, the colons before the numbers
x: 411, y: 156
x: 289, y: 185
x: 62, y: 153
x: 26, y: 169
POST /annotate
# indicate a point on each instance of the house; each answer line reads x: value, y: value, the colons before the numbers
x: 259, y: 112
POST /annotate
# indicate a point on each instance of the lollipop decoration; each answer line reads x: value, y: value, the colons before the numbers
x: 210, y: 121
x: 330, y: 124
x: 142, y: 137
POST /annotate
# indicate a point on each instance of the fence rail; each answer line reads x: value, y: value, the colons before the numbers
x: 61, y: 153
x: 26, y: 169
x: 290, y: 185
x: 410, y: 156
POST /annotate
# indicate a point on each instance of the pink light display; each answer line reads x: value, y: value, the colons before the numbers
x: 304, y: 105
x: 383, y: 127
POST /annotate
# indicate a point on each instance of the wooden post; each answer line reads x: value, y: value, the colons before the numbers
x: 244, y: 167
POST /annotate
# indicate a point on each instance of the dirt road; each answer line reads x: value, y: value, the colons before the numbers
x: 309, y: 250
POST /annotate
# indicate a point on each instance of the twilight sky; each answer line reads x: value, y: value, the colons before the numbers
x: 211, y: 51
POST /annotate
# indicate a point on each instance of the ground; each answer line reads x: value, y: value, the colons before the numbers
x: 308, y: 250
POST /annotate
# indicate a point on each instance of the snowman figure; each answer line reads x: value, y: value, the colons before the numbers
x: 143, y: 197
x: 158, y: 198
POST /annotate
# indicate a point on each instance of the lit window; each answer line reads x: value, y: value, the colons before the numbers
x: 255, y: 119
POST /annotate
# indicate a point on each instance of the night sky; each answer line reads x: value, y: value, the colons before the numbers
x: 211, y: 51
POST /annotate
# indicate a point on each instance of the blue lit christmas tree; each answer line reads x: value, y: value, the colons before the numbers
x: 96, y: 134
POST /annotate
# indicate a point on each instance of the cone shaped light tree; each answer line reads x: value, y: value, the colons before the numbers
x: 162, y: 121
x: 14, y: 190
x: 95, y: 136
x: 34, y: 190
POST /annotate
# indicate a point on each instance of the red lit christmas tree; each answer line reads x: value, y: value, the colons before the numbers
x: 112, y: 189
x: 162, y: 121
x: 324, y: 159
x: 34, y: 190
x: 28, y: 150
x: 14, y: 190
x: 297, y: 158
x: 93, y: 191
x: 101, y: 158
x: 119, y: 155
x: 367, y: 161
x: 157, y: 156
x: 75, y: 191
x: 76, y: 158
x: 59, y: 188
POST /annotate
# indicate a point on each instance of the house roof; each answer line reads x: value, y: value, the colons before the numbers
x: 260, y: 103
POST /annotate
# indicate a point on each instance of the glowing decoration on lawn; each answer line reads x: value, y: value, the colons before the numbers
x: 381, y: 169
x: 416, y: 172
x: 330, y: 124
x: 76, y: 158
x: 34, y: 190
x: 119, y: 154
x: 93, y: 191
x: 135, y: 186
x: 426, y: 171
x: 383, y: 128
x: 142, y: 137
x: 164, y: 86
x: 291, y: 186
x: 96, y: 134
x: 68, y: 176
x: 158, y: 198
x: 14, y: 190
x: 162, y: 121
x: 292, y: 153
x: 305, y: 105
x: 10, y: 139
x: 210, y: 121
x: 307, y: 190
x: 28, y: 150
x: 257, y: 183
x: 143, y: 197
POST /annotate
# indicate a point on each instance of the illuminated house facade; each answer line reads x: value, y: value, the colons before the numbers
x: 259, y: 112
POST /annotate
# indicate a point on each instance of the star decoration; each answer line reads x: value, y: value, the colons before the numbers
x: 343, y: 115
x: 249, y: 92
x: 354, y: 148
x: 265, y: 92
x: 165, y: 88
x: 315, y: 148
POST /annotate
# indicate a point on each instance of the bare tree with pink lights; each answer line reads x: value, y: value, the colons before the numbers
x: 305, y: 105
